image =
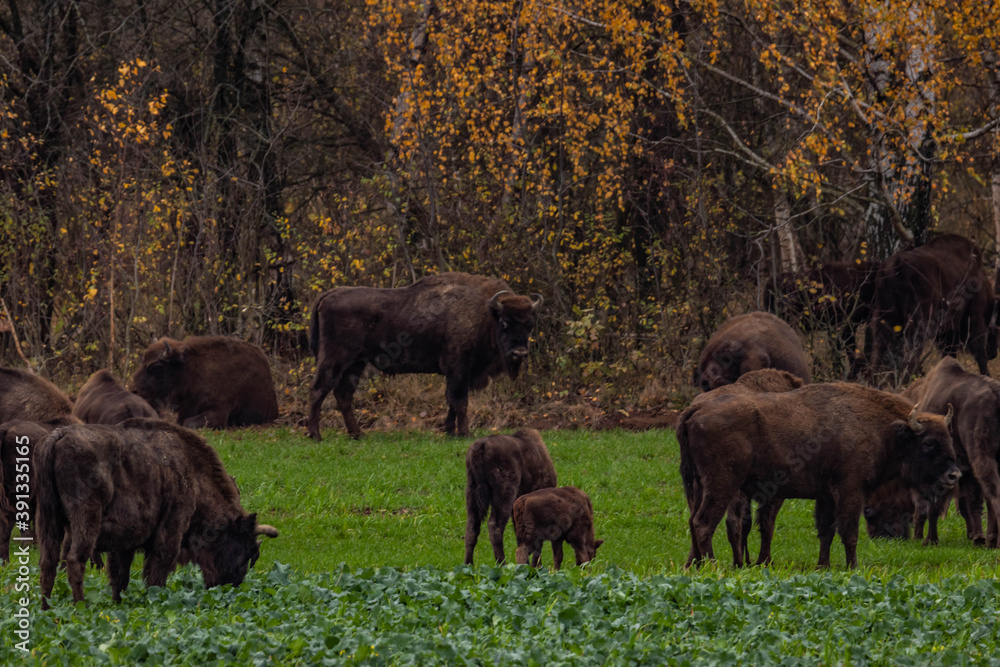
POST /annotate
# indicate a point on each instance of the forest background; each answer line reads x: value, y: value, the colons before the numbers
x: 210, y: 166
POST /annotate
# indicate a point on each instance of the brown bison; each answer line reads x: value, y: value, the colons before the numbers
x: 101, y: 400
x: 976, y: 432
x: 937, y: 292
x: 554, y: 515
x: 738, y: 515
x: 18, y: 439
x: 748, y: 343
x: 144, y: 484
x: 210, y: 381
x: 834, y: 443
x: 835, y: 297
x: 24, y: 395
x: 892, y: 511
x: 498, y: 469
x: 467, y: 328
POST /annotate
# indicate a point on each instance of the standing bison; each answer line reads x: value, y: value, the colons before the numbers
x: 554, y: 515
x: 210, y: 381
x: 748, y: 343
x: 938, y: 292
x: 101, y: 400
x: 498, y: 469
x: 834, y: 443
x: 467, y: 328
x: 738, y: 515
x: 145, y: 484
x: 27, y: 396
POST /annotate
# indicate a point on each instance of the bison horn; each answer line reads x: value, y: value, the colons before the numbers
x: 536, y: 301
x: 915, y: 426
x: 947, y: 417
x: 495, y: 299
x: 166, y: 349
x: 264, y: 529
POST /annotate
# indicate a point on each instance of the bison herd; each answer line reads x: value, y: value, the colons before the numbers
x: 109, y: 477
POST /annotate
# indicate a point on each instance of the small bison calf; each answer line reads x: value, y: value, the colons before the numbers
x: 564, y: 513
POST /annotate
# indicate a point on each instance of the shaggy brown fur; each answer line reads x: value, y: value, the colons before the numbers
x: 18, y: 439
x: 29, y: 397
x: 498, y: 469
x: 101, y: 400
x: 144, y: 484
x: 554, y: 515
x: 938, y: 292
x: 747, y: 343
x: 738, y: 515
x: 210, y: 381
x: 834, y: 443
x: 467, y: 328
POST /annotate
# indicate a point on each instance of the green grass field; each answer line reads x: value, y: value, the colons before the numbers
x: 367, y: 568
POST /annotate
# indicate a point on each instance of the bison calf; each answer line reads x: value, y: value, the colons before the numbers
x: 748, y: 343
x: 499, y: 468
x: 101, y: 400
x: 145, y: 484
x: 554, y: 515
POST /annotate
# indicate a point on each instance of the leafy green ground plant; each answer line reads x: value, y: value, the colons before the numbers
x: 366, y: 570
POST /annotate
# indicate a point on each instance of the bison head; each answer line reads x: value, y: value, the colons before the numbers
x: 889, y: 512
x: 727, y: 363
x: 514, y: 320
x: 927, y: 451
x: 159, y: 372
x: 225, y: 555
x: 588, y: 552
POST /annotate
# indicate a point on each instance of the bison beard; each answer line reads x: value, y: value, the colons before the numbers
x: 833, y: 443
x: 747, y: 343
x: 499, y: 468
x: 467, y: 328
x: 144, y: 485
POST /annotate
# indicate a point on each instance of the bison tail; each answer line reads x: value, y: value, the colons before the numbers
x: 478, y: 494
x: 49, y: 515
x: 689, y: 472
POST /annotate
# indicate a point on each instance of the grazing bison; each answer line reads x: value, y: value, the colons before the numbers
x: 554, y: 515
x: 29, y: 397
x: 101, y: 400
x: 748, y: 343
x: 144, y: 484
x: 738, y: 515
x: 834, y: 297
x: 834, y: 443
x: 467, y: 328
x: 210, y: 381
x: 18, y: 439
x: 498, y: 469
x: 937, y: 292
x: 892, y: 511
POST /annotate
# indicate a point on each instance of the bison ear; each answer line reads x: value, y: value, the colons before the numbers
x: 597, y: 544
x: 903, y: 431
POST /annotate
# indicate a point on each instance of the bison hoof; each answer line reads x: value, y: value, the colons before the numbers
x: 979, y: 541
x: 929, y: 541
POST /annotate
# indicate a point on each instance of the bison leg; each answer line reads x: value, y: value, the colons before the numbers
x: 970, y: 506
x: 736, y: 520
x: 81, y: 547
x: 767, y: 514
x: 984, y: 469
x: 119, y: 572
x: 850, y: 503
x: 209, y: 419
x: 557, y: 553
x: 703, y: 524
x: 934, y: 509
x: 473, y: 524
x: 327, y: 376
x: 499, y: 516
x: 826, y: 527
x: 344, y: 393
x: 457, y: 393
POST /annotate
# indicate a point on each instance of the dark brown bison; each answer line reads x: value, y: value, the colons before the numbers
x: 892, y: 511
x: 554, y: 515
x: 938, y: 292
x: 834, y: 297
x: 29, y: 397
x: 834, y: 443
x: 467, y: 328
x: 101, y: 400
x: 498, y: 469
x: 748, y: 343
x: 18, y: 439
x: 210, y: 381
x: 738, y: 515
x: 144, y: 484
x: 976, y: 432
